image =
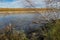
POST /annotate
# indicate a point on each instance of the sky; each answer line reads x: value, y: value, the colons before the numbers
x: 25, y: 4
x: 21, y: 3
x: 6, y: 0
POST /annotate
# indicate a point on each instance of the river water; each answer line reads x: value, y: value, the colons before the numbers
x: 24, y: 21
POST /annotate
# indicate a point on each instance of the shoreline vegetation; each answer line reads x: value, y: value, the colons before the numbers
x: 28, y: 9
x: 51, y: 31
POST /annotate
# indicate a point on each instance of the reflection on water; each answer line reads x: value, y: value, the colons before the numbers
x: 22, y: 21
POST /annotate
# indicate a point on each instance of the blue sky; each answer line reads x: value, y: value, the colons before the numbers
x: 6, y: 0
x: 20, y: 3
x: 23, y: 3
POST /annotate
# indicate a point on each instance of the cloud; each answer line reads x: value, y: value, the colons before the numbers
x: 22, y: 4
x: 14, y: 4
